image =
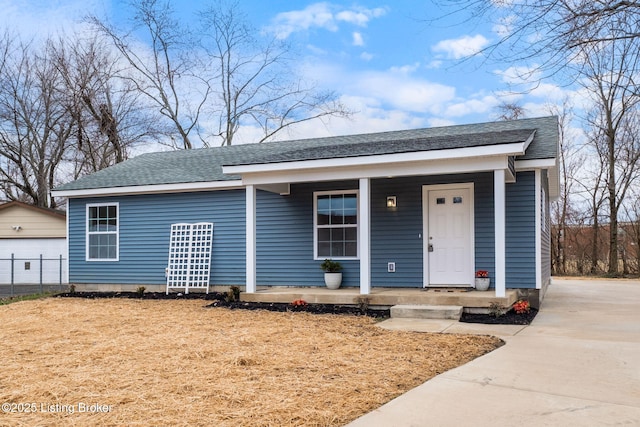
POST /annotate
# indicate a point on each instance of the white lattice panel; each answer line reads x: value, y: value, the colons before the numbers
x: 189, y: 256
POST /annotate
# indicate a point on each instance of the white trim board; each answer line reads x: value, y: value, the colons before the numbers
x: 150, y: 189
x: 355, y: 171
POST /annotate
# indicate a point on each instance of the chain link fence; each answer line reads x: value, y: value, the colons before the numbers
x: 25, y: 276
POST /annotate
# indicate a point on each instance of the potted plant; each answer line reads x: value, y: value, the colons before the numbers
x: 332, y: 274
x: 482, y: 280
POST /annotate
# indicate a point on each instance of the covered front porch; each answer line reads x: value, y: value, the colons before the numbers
x: 424, y: 212
x: 382, y: 297
x: 387, y: 235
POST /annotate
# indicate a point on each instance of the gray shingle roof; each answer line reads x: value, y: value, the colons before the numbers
x: 371, y: 148
x: 205, y: 165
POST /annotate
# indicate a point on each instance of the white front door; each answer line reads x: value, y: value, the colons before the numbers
x: 449, y: 230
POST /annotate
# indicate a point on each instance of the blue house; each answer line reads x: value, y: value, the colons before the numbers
x: 408, y: 209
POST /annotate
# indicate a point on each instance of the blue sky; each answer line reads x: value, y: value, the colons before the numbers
x: 386, y: 59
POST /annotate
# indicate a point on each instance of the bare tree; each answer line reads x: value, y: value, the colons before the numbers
x: 595, y: 195
x: 616, y: 121
x: 562, y: 212
x: 257, y: 85
x: 35, y: 128
x: 5, y: 47
x: 251, y: 75
x: 108, y: 114
x: 166, y: 71
x: 551, y: 34
x: 510, y: 111
x: 597, y: 45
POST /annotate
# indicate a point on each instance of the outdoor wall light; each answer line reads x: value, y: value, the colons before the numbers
x: 391, y: 202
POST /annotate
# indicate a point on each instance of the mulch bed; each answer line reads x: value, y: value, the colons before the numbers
x: 509, y: 318
x: 220, y: 300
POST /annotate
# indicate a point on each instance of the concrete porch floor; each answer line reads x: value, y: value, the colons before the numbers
x: 383, y: 297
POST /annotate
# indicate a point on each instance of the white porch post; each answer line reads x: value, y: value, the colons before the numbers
x: 364, y: 237
x: 251, y: 239
x: 499, y: 197
x: 539, y: 207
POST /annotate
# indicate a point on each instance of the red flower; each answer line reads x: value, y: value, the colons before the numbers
x: 482, y: 274
x: 298, y: 303
x: 521, y: 307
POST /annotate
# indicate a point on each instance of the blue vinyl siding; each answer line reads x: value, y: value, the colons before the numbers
x: 284, y: 246
x: 485, y: 248
x: 144, y: 225
x: 285, y: 232
x: 396, y: 235
x: 521, y: 232
x: 545, y: 248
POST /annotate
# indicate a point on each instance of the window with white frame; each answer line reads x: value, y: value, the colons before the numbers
x: 336, y: 224
x: 102, y: 232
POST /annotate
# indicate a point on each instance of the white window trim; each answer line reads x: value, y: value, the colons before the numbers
x: 315, y: 222
x: 88, y: 233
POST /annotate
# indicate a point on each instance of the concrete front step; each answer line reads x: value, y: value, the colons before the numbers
x: 420, y: 311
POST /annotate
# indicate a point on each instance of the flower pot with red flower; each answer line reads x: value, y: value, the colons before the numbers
x: 482, y: 280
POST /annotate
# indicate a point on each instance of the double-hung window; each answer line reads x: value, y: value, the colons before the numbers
x: 336, y: 224
x: 102, y: 232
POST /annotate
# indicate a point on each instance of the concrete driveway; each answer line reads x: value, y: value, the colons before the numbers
x: 577, y: 364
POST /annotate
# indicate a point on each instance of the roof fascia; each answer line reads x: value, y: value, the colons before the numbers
x: 529, y: 140
x: 45, y: 211
x: 523, y: 165
x: 150, y: 189
x: 551, y: 165
x: 415, y: 168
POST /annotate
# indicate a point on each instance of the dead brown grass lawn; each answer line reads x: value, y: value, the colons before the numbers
x: 177, y: 363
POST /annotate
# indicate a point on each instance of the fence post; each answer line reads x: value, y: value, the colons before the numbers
x: 41, y: 290
x: 12, y: 263
x: 60, y: 271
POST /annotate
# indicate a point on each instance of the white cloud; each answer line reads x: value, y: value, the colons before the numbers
x: 321, y: 15
x: 525, y: 77
x: 370, y: 116
x: 366, y: 56
x: 406, y: 69
x: 361, y: 16
x: 528, y: 80
x: 509, y: 97
x: 401, y: 91
x: 461, y: 47
x: 504, y: 26
x: 40, y: 18
x: 471, y: 106
x: 398, y: 88
x: 316, y: 50
x: 439, y: 122
x: 502, y: 3
x: 357, y: 39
